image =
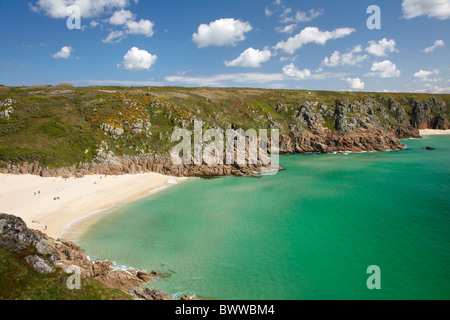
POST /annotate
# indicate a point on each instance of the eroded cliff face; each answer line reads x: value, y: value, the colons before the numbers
x: 366, y: 124
x: 45, y: 255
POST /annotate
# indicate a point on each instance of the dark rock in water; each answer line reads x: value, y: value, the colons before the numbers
x: 144, y: 276
x: 430, y: 148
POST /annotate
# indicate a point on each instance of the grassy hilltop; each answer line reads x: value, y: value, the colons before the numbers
x: 59, y: 126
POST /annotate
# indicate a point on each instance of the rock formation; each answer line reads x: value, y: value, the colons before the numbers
x: 45, y: 254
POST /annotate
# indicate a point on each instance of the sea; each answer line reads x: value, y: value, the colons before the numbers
x: 331, y: 226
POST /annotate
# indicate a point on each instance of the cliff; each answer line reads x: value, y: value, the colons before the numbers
x: 49, y: 259
x: 54, y: 131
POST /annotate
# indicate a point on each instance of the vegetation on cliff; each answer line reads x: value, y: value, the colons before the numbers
x: 66, y: 126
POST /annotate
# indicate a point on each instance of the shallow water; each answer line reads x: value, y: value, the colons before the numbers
x: 309, y: 232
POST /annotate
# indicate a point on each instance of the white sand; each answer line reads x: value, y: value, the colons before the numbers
x: 428, y: 132
x: 78, y: 197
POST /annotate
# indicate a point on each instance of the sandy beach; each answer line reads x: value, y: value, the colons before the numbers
x: 428, y: 132
x: 51, y: 204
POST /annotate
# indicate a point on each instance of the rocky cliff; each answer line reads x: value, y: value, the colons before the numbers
x: 56, y: 132
x: 45, y: 255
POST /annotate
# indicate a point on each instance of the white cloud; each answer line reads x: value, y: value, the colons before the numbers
x: 439, y: 9
x: 268, y: 12
x: 355, y: 84
x: 252, y: 79
x: 350, y: 58
x: 136, y: 59
x: 291, y: 71
x: 114, y: 37
x: 89, y: 8
x: 222, y: 32
x: 126, y: 19
x: 437, y: 43
x: 250, y: 58
x: 64, y: 53
x: 143, y: 27
x: 121, y: 17
x: 384, y: 69
x: 311, y: 34
x: 423, y: 75
x: 286, y: 29
x: 300, y: 16
x: 224, y: 79
x: 382, y: 47
x: 94, y: 23
x: 437, y: 89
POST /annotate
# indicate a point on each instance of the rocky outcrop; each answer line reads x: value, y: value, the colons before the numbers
x: 429, y: 114
x: 6, y: 108
x: 45, y: 254
x: 374, y: 123
x: 39, y: 264
x: 149, y: 294
x: 132, y: 165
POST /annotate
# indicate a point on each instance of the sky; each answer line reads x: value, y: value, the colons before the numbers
x: 349, y: 45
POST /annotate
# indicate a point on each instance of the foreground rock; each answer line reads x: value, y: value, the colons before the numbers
x: 45, y: 254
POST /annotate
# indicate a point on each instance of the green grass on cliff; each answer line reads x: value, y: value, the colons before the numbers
x: 18, y: 281
x: 59, y: 126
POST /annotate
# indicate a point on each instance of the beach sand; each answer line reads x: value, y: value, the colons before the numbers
x: 32, y: 197
x: 428, y: 132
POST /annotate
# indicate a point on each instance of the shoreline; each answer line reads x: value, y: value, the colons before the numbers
x: 58, y: 206
x: 429, y: 132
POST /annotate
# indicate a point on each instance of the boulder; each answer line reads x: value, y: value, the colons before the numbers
x: 157, y: 294
x: 39, y: 264
x: 144, y: 276
x: 121, y: 280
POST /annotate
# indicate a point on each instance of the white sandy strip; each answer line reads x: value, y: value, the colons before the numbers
x: 77, y: 197
x: 428, y: 132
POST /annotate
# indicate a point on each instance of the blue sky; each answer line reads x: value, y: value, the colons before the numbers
x: 308, y: 44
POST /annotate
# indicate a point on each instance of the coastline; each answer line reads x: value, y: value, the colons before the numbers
x: 78, y: 200
x: 429, y: 132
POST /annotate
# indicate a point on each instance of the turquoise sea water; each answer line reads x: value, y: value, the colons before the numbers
x: 309, y: 232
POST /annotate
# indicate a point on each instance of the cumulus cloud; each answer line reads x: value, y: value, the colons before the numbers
x: 437, y: 44
x: 355, y: 83
x: 136, y: 59
x: 382, y: 47
x: 64, y: 53
x: 292, y: 71
x: 311, y: 34
x: 222, y: 32
x: 384, y: 69
x: 89, y: 8
x: 439, y: 9
x: 121, y: 17
x: 127, y: 20
x: 350, y: 58
x: 250, y: 58
x: 423, y: 75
